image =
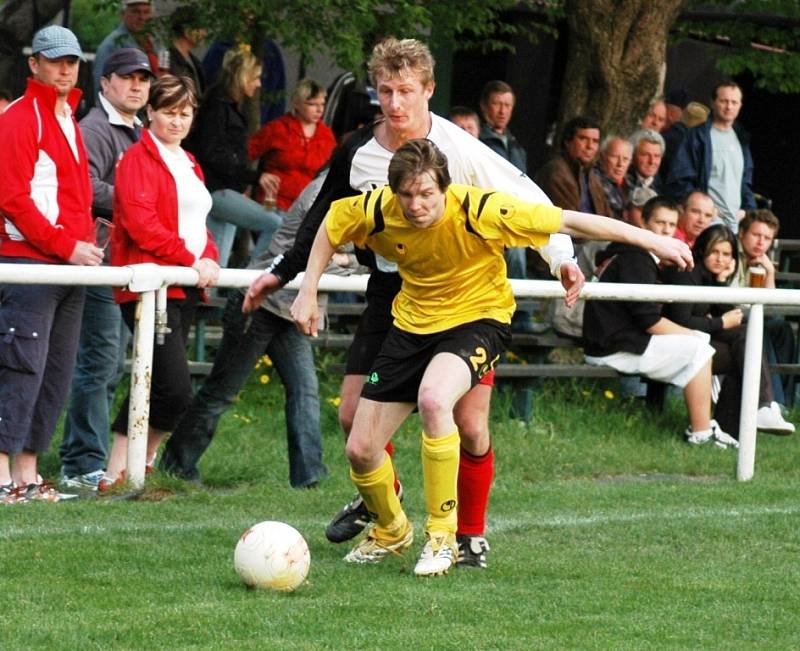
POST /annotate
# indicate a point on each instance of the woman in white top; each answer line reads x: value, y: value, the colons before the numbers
x: 160, y: 210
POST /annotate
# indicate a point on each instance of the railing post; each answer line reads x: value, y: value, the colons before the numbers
x: 750, y: 388
x: 141, y: 375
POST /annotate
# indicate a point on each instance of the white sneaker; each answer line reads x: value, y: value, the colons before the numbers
x: 769, y: 419
x: 700, y: 437
x: 438, y: 555
x: 721, y: 438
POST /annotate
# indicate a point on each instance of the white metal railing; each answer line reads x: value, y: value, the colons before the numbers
x: 150, y: 281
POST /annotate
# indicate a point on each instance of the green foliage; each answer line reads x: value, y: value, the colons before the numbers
x: 92, y: 22
x: 761, y: 38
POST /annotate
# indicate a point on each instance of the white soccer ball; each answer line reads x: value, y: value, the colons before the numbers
x: 272, y: 555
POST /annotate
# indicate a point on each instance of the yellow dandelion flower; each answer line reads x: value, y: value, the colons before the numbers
x: 264, y: 379
x: 510, y: 356
x: 335, y: 401
x: 609, y: 394
x: 266, y: 360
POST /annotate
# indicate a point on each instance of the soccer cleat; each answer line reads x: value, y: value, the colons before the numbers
x: 351, y: 520
x: 373, y: 549
x: 85, y: 482
x: 769, y: 419
x: 472, y: 551
x: 438, y: 555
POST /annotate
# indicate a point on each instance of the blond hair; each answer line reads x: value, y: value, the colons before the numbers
x: 393, y: 58
x: 239, y: 65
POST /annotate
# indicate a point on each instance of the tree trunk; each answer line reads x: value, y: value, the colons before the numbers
x: 18, y: 24
x: 617, y: 51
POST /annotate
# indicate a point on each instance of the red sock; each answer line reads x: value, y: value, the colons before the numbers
x: 475, y: 476
x: 390, y: 451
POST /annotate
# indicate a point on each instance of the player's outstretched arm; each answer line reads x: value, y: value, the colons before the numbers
x: 595, y: 227
x: 305, y: 310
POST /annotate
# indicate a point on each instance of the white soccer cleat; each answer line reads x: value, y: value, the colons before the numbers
x: 769, y: 419
x: 373, y: 549
x: 438, y: 555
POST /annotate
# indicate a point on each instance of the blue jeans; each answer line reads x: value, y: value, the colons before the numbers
x: 231, y: 209
x: 98, y: 370
x: 39, y: 330
x: 244, y: 340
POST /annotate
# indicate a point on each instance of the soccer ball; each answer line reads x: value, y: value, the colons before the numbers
x: 272, y: 555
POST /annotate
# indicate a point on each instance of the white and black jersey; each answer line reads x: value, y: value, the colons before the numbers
x: 362, y: 164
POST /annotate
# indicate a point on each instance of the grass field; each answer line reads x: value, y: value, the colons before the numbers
x: 607, y: 532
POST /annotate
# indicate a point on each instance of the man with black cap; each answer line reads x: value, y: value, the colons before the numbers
x: 108, y: 130
x: 45, y: 218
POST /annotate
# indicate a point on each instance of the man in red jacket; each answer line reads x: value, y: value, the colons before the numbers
x: 45, y: 218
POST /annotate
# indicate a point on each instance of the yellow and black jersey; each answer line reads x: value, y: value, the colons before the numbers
x: 453, y: 272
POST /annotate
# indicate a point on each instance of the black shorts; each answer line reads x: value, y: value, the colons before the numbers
x: 376, y: 319
x: 397, y: 372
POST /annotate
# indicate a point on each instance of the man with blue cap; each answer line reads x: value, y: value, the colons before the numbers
x: 45, y: 218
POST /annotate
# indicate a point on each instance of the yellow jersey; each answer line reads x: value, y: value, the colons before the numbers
x: 453, y: 272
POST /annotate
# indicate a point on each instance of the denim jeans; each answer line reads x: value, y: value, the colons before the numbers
x: 98, y: 370
x: 231, y: 209
x: 39, y: 330
x: 244, y: 340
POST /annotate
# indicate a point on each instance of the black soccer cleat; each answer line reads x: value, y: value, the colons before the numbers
x: 351, y: 520
x: 472, y: 551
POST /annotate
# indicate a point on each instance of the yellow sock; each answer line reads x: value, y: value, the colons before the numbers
x: 377, y: 490
x: 440, y: 475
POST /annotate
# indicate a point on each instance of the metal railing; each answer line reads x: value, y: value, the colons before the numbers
x: 151, y: 281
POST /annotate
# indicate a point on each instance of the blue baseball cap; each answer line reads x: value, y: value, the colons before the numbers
x: 126, y: 61
x: 55, y: 42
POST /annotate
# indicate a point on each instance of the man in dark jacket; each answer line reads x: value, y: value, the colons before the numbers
x: 715, y: 158
x: 497, y: 105
x: 108, y: 130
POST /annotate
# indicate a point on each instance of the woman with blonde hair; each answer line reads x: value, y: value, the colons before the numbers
x: 295, y: 146
x: 219, y: 140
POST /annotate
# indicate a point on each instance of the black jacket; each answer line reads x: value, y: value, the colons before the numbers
x: 621, y: 326
x: 705, y: 317
x: 219, y: 141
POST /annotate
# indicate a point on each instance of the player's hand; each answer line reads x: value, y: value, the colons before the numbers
x: 265, y: 284
x: 305, y: 312
x: 207, y: 271
x: 572, y: 279
x: 673, y: 251
x: 86, y: 254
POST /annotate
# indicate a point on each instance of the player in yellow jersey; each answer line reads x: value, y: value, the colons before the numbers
x: 451, y: 324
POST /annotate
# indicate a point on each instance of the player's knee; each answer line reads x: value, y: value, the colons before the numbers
x: 432, y: 402
x: 360, y: 452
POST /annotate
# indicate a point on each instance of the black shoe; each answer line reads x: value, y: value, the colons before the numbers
x: 351, y: 520
x: 471, y: 551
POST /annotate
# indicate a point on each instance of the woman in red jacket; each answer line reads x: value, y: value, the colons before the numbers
x: 295, y: 146
x: 160, y: 209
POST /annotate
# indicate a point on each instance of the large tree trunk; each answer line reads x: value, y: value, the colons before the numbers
x: 19, y: 20
x: 617, y: 50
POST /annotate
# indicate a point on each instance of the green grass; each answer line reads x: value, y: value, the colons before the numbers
x: 607, y: 532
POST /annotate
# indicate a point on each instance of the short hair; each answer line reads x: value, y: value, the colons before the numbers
x: 239, y: 65
x: 651, y: 205
x: 702, y: 193
x: 462, y: 112
x: 183, y: 18
x: 305, y: 90
x: 416, y: 157
x: 572, y: 127
x: 647, y: 135
x: 762, y: 215
x: 494, y: 87
x: 712, y: 236
x: 392, y: 58
x: 611, y: 137
x: 168, y: 91
x: 727, y: 83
